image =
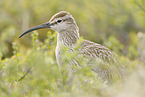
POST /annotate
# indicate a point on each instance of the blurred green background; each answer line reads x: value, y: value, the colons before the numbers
x: 28, y: 66
x: 99, y: 20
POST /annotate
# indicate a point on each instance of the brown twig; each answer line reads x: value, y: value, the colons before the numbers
x: 25, y: 74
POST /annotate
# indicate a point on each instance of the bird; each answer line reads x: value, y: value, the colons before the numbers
x: 99, y: 57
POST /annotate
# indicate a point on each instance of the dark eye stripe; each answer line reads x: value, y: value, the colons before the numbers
x: 58, y: 21
x: 67, y: 19
x: 54, y: 23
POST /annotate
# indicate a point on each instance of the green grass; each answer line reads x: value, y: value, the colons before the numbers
x: 34, y: 72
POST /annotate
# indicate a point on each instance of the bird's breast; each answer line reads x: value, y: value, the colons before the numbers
x: 58, y: 55
x: 61, y: 51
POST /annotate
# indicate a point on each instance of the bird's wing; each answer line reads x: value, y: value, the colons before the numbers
x: 94, y: 50
x: 108, y: 66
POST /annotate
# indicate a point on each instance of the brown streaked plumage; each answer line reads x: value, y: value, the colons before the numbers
x: 100, y: 58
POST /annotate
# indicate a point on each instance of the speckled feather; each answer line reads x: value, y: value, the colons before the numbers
x: 108, y: 67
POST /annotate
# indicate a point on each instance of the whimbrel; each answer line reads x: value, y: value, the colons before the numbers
x: 68, y: 36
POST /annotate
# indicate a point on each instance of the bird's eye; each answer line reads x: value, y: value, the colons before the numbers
x: 59, y: 21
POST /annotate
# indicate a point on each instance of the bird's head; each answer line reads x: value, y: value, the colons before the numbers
x: 60, y: 22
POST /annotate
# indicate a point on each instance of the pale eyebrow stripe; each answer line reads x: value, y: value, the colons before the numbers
x: 59, y: 15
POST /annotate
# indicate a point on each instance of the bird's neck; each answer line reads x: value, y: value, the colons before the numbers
x: 68, y: 37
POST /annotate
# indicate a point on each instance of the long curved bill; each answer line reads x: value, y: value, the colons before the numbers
x: 45, y: 25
